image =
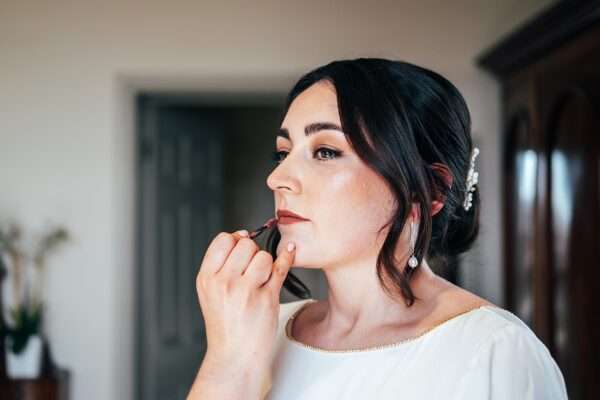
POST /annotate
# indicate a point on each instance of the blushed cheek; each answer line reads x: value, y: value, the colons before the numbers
x: 359, y: 204
x: 372, y: 198
x: 345, y: 196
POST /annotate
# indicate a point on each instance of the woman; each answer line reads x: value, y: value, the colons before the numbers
x: 376, y: 158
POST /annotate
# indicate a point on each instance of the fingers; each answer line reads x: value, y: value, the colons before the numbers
x: 281, y: 267
x: 218, y: 251
x: 239, y: 258
x: 240, y: 234
x: 234, y: 255
x: 259, y: 270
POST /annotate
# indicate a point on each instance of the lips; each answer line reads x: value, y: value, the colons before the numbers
x: 288, y: 217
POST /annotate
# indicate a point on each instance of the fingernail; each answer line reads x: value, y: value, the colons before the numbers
x: 243, y: 233
x: 291, y: 246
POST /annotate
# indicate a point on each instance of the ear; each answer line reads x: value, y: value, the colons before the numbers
x: 444, y: 172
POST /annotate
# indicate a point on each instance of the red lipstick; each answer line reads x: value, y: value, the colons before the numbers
x: 285, y: 217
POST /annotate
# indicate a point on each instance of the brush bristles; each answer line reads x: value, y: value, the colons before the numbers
x: 271, y: 223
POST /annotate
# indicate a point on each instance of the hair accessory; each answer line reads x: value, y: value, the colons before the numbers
x: 472, y: 179
x: 412, y: 261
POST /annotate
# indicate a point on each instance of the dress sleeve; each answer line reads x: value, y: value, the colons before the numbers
x: 512, y: 364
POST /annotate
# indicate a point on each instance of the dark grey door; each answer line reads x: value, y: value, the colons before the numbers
x: 179, y: 210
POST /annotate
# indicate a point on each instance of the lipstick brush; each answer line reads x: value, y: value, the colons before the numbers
x: 267, y: 225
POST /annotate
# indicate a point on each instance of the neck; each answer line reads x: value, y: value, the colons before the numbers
x: 356, y: 300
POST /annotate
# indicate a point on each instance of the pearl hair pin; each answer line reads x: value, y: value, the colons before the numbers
x: 472, y: 179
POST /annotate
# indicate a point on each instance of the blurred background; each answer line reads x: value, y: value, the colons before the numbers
x: 145, y: 128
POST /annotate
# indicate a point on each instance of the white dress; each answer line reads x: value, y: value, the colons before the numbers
x: 484, y: 353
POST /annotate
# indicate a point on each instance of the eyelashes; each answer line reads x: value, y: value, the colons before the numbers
x: 278, y: 156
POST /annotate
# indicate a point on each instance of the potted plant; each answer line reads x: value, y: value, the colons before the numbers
x: 23, y: 330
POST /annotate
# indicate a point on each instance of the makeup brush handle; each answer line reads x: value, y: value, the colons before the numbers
x: 257, y: 232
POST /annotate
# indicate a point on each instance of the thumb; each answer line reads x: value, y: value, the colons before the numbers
x: 281, y: 267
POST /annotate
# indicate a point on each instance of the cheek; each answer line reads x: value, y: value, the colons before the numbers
x: 356, y: 197
x: 347, y: 209
x: 353, y: 207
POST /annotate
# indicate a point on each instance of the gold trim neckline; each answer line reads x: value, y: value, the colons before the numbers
x: 289, y: 322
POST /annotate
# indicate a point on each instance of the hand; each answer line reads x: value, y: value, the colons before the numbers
x: 238, y: 289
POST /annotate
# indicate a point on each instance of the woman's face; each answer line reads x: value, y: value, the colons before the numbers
x: 321, y: 178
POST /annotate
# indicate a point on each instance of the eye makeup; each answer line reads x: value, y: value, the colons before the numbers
x: 276, y: 155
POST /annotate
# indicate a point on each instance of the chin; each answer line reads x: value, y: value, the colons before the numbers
x: 300, y: 260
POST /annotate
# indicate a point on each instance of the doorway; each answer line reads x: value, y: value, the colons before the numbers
x: 202, y: 165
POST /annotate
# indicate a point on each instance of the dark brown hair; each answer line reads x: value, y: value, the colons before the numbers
x: 400, y: 119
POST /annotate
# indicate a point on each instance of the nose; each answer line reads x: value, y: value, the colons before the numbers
x: 284, y: 178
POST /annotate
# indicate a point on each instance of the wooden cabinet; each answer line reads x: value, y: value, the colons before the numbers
x: 54, y: 387
x: 550, y: 75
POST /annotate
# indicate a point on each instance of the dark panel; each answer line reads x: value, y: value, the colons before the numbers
x: 545, y: 32
x: 521, y: 187
x: 573, y: 174
x: 180, y: 209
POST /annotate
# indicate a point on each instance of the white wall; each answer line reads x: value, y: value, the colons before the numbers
x: 68, y: 71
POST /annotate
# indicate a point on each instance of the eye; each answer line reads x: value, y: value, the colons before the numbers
x: 277, y: 156
x: 329, y: 154
x: 332, y: 153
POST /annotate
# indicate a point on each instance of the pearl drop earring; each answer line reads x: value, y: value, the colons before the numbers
x: 412, y: 261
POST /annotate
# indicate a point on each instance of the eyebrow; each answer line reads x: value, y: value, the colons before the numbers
x: 311, y: 129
